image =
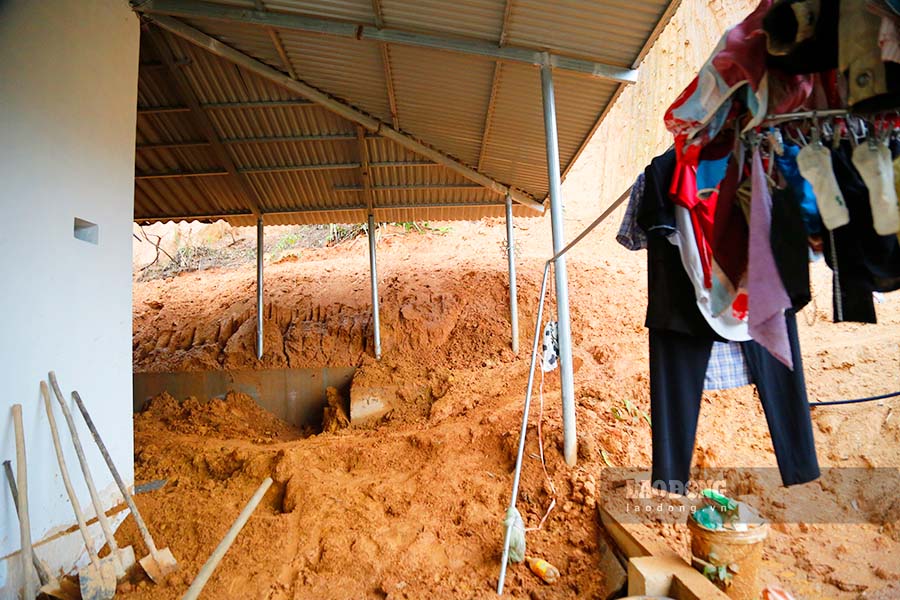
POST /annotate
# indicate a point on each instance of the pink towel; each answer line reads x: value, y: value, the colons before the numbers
x: 765, y: 290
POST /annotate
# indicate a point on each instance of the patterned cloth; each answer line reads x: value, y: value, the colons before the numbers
x: 767, y: 297
x: 631, y: 235
x: 727, y: 367
x: 550, y: 347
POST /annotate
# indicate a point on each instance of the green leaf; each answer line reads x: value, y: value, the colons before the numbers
x: 605, y: 457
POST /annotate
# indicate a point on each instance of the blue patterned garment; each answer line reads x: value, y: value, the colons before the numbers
x: 630, y: 233
x: 727, y: 367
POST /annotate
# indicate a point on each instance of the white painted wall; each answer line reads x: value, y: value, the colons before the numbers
x: 68, y: 95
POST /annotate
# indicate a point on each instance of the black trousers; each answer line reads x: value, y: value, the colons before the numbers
x: 677, y: 370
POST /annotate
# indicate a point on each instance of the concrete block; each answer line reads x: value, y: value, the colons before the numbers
x: 650, y: 576
x: 669, y: 576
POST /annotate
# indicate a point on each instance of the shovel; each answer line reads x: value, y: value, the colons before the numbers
x: 158, y: 563
x: 97, y: 580
x: 29, y: 590
x: 121, y: 558
x: 49, y: 584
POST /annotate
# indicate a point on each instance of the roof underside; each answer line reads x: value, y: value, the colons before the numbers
x: 298, y: 162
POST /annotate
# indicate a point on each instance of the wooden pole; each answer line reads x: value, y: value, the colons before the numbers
x: 213, y: 561
x: 29, y: 588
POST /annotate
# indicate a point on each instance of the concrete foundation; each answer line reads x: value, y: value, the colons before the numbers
x: 294, y: 395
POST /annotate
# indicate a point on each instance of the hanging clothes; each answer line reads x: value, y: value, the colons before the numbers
x: 730, y: 234
x: 802, y: 35
x: 802, y: 190
x: 874, y: 84
x: 681, y: 348
x: 671, y: 303
x: 873, y: 163
x: 678, y: 364
x: 725, y: 324
x: 814, y: 163
x: 727, y: 367
x: 866, y: 262
x: 734, y: 82
x: 765, y: 290
x: 790, y: 246
x: 630, y: 234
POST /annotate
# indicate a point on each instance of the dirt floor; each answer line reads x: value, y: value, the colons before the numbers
x: 413, y: 507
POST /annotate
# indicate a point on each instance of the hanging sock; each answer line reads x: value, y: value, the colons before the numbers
x: 873, y: 161
x: 765, y: 290
x: 814, y: 162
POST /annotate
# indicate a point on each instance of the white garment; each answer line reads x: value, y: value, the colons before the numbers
x: 814, y: 162
x: 877, y: 171
x: 726, y: 325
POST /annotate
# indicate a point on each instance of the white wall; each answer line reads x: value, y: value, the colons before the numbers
x: 68, y: 94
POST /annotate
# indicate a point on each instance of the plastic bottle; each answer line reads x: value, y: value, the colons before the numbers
x: 542, y: 569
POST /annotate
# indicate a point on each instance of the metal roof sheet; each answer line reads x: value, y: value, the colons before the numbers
x: 304, y: 163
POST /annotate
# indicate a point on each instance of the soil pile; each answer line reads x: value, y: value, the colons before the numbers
x: 236, y: 416
x: 433, y: 316
x: 413, y: 507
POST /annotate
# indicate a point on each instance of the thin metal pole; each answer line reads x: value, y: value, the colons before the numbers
x: 521, y: 452
x: 513, y: 293
x: 562, y: 286
x: 259, y: 288
x: 373, y: 269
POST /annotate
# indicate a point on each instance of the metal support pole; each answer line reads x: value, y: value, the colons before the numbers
x: 562, y: 286
x: 259, y: 288
x: 513, y: 294
x: 376, y: 320
x: 530, y: 388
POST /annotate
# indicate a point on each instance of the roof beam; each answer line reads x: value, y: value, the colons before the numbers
x: 495, y: 85
x: 356, y: 207
x: 389, y: 82
x: 149, y: 110
x: 180, y: 174
x: 290, y: 168
x: 341, y: 109
x: 364, y: 174
x: 504, y: 30
x: 489, y: 115
x: 294, y: 168
x: 325, y: 137
x: 410, y: 186
x: 386, y: 62
x: 171, y: 145
x: 183, y: 89
x: 276, y: 41
x: 161, y: 110
x: 203, y: 10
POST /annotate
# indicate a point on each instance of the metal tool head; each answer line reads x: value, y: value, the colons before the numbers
x: 97, y: 582
x: 160, y: 565
x: 126, y: 560
x: 53, y: 589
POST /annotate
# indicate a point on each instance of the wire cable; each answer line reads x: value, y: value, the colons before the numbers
x: 857, y: 400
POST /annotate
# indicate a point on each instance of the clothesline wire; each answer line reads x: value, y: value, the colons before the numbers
x: 625, y: 195
x: 856, y: 400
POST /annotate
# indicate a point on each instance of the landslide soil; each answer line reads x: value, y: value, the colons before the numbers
x: 413, y: 507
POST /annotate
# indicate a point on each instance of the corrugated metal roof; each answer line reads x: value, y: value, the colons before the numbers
x: 611, y: 31
x: 304, y: 163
